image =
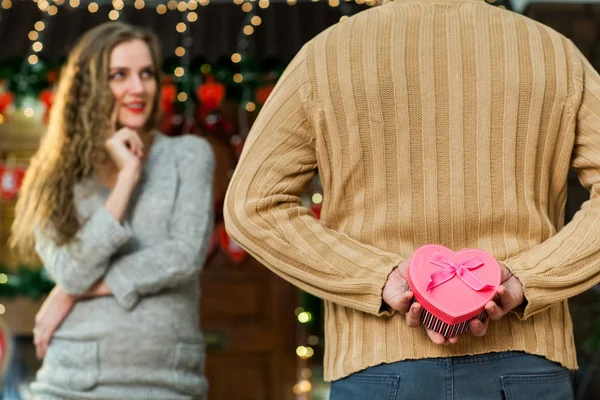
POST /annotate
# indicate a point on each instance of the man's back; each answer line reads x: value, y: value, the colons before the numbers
x: 448, y: 122
x: 446, y: 115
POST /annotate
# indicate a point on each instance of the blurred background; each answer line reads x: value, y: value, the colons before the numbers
x: 221, y: 58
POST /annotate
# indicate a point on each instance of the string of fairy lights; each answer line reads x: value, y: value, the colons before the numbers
x: 188, y: 10
x: 189, y: 15
x: 244, y: 50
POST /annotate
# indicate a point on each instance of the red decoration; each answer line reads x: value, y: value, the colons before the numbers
x: 6, y: 349
x: 169, y: 117
x: 233, y: 251
x: 53, y: 75
x: 211, y: 93
x: 263, y: 92
x: 316, y: 210
x: 6, y: 99
x: 47, y: 98
x: 10, y: 181
x: 167, y: 98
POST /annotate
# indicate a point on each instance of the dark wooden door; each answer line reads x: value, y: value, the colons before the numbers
x: 248, y: 319
x: 247, y: 315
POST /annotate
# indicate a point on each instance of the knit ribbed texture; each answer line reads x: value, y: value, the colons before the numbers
x: 144, y: 342
x: 448, y: 122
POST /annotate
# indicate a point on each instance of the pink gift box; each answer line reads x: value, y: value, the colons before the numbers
x: 453, y: 288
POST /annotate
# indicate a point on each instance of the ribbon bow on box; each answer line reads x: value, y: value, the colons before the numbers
x: 462, y: 270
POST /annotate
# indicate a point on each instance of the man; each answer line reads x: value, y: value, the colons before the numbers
x: 447, y: 122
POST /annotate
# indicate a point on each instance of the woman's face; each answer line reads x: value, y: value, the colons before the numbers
x: 133, y: 83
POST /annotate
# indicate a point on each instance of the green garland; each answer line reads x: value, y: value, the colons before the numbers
x: 30, y: 80
x: 33, y: 283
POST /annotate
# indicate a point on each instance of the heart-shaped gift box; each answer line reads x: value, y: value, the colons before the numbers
x: 453, y: 288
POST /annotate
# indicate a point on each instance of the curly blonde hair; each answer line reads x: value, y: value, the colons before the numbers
x: 74, y: 142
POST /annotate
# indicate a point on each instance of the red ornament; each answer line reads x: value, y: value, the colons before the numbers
x: 211, y: 94
x: 167, y: 98
x: 6, y: 99
x: 263, y: 92
x: 6, y: 348
x: 53, y: 75
x: 10, y: 181
x: 47, y: 98
x: 316, y: 210
x: 233, y: 251
x: 168, y: 95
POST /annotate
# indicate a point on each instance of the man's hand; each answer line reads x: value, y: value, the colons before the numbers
x: 413, y: 319
x: 397, y: 296
x: 509, y: 295
x: 55, y: 309
x: 395, y: 293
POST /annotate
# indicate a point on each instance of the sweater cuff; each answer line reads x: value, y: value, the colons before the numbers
x: 122, y: 289
x: 532, y: 303
x: 383, y: 309
x: 105, y: 231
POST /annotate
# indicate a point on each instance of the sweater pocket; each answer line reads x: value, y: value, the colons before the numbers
x: 72, y: 364
x: 188, y: 368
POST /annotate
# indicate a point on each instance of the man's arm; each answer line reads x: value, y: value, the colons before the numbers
x: 568, y: 263
x: 264, y: 215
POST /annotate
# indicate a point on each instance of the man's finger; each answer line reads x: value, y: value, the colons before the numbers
x: 413, y: 316
x: 501, y: 306
x: 437, y: 338
x: 404, y: 302
x: 495, y: 312
x: 501, y: 291
x: 479, y: 328
x: 453, y: 340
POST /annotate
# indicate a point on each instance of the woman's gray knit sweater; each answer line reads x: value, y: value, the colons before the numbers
x: 144, y: 342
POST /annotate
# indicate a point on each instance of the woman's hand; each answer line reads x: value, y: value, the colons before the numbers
x: 126, y: 149
x: 124, y: 145
x: 100, y: 289
x: 55, y: 309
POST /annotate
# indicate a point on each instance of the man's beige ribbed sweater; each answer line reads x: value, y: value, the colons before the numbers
x: 429, y: 121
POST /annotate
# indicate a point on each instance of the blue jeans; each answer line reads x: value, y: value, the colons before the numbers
x: 494, y: 376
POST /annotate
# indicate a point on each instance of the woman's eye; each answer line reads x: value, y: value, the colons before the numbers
x: 147, y: 73
x: 116, y: 75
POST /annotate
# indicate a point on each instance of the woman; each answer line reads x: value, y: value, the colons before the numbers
x: 122, y: 220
